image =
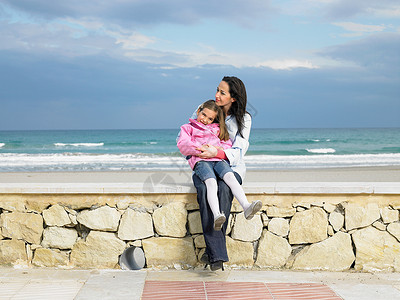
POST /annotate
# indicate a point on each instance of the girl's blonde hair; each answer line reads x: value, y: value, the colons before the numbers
x: 211, y: 105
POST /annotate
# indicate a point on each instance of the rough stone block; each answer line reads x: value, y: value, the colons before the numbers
x: 104, y: 218
x: 12, y: 204
x: 394, y: 229
x: 231, y: 222
x: 58, y: 237
x: 332, y: 254
x: 309, y: 226
x: 50, y: 258
x: 331, y: 232
x: 170, y: 220
x: 194, y: 221
x: 361, y: 216
x: 273, y: 251
x: 376, y: 251
x: 247, y: 230
x: 12, y: 252
x: 279, y: 226
x: 25, y: 226
x: 389, y: 215
x: 100, y: 250
x: 199, y: 241
x: 56, y: 216
x: 336, y: 220
x: 168, y: 252
x: 379, y: 225
x: 264, y: 219
x: 329, y: 207
x: 135, y: 225
x: 280, y: 212
x: 239, y: 253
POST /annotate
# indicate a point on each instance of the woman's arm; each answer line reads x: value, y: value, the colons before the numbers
x: 239, y: 147
x: 240, y: 144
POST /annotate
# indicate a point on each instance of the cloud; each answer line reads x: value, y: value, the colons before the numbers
x: 375, y: 53
x: 102, y: 64
x: 71, y: 29
x: 359, y: 29
x: 101, y: 92
x: 133, y: 41
x: 288, y: 64
x: 148, y: 12
x: 79, y: 38
x: 344, y: 9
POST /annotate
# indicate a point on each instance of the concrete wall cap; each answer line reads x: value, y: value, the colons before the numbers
x: 185, y: 188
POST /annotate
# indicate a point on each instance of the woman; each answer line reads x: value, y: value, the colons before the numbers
x: 232, y: 98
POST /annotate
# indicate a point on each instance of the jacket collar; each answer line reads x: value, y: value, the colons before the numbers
x: 201, y: 125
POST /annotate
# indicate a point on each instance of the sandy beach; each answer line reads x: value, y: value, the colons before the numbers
x: 360, y: 174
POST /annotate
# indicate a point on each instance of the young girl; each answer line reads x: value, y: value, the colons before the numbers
x: 210, y: 129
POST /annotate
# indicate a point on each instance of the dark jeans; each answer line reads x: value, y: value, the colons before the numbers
x: 215, y: 240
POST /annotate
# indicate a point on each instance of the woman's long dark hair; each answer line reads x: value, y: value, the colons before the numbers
x: 238, y: 108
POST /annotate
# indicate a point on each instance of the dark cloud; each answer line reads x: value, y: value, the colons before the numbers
x: 48, y: 92
x: 149, y: 11
x: 58, y: 80
x: 377, y: 53
x: 42, y: 91
x: 344, y: 9
x: 336, y: 97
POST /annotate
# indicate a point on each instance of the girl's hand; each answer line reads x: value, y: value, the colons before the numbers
x: 207, y: 151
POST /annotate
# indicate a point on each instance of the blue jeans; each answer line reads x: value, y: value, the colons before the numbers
x: 215, y: 240
x: 206, y: 169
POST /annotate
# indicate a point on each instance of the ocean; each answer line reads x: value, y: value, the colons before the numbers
x: 155, y: 149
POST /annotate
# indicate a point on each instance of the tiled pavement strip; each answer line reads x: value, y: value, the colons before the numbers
x: 61, y: 284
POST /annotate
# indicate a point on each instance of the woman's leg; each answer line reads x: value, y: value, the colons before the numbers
x: 215, y: 240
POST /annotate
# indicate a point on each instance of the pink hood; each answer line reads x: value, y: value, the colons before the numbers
x: 196, y: 134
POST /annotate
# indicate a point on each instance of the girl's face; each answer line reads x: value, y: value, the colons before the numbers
x: 223, y: 98
x: 206, y: 116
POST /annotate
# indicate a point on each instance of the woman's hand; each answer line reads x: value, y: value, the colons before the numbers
x: 207, y: 151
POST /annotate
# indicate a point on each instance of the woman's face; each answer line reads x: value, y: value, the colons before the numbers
x: 223, y: 98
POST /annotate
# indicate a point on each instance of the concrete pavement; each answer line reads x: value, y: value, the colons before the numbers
x: 28, y: 283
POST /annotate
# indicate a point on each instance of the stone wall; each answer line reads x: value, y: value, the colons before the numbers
x: 334, y: 232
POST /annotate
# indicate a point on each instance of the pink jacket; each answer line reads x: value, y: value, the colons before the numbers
x: 196, y: 134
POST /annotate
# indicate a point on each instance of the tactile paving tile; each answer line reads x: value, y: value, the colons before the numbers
x: 65, y: 290
x: 235, y: 290
x: 9, y: 289
x: 301, y: 291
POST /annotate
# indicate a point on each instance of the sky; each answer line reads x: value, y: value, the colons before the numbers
x: 130, y: 64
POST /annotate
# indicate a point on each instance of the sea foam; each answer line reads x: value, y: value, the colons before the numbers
x: 88, y: 162
x: 2, y: 145
x: 321, y: 161
x: 106, y: 162
x: 79, y: 144
x: 322, y: 150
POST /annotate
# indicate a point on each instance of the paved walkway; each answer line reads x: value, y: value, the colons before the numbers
x: 195, y: 284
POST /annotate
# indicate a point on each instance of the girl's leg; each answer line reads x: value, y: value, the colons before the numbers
x: 250, y: 209
x: 212, y: 198
x: 204, y: 170
x: 236, y: 189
